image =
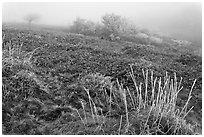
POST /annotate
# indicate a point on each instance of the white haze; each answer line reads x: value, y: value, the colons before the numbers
x: 181, y: 20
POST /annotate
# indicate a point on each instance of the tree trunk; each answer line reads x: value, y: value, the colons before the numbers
x: 29, y: 24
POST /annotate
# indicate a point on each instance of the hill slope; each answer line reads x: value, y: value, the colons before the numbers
x: 47, y: 91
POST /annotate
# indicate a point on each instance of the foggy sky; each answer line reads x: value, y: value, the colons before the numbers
x: 178, y: 19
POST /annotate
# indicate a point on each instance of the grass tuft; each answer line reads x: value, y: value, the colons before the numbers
x: 155, y: 106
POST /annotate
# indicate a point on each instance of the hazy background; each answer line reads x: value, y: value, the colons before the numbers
x: 180, y: 20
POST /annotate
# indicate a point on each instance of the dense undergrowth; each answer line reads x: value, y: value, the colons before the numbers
x: 65, y: 84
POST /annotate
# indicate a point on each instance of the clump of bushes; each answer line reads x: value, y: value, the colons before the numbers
x: 114, y: 28
x: 111, y: 28
x: 83, y: 26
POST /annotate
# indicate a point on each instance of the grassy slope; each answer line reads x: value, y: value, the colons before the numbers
x: 68, y: 57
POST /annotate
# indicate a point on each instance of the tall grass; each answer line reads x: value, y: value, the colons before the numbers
x: 157, y: 98
x: 13, y: 55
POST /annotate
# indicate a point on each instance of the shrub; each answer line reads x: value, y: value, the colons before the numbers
x: 115, y: 26
x: 83, y: 26
x: 96, y: 82
x: 112, y: 23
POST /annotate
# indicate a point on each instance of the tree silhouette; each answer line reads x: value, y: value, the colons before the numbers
x: 30, y: 18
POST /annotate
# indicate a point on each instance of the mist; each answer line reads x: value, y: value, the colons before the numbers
x: 179, y: 20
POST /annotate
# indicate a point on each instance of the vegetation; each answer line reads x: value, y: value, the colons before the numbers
x: 65, y: 83
x: 31, y: 18
x: 112, y: 26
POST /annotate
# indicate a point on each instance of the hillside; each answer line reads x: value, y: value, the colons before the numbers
x: 65, y: 83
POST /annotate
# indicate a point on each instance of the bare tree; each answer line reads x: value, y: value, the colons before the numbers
x: 30, y: 18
